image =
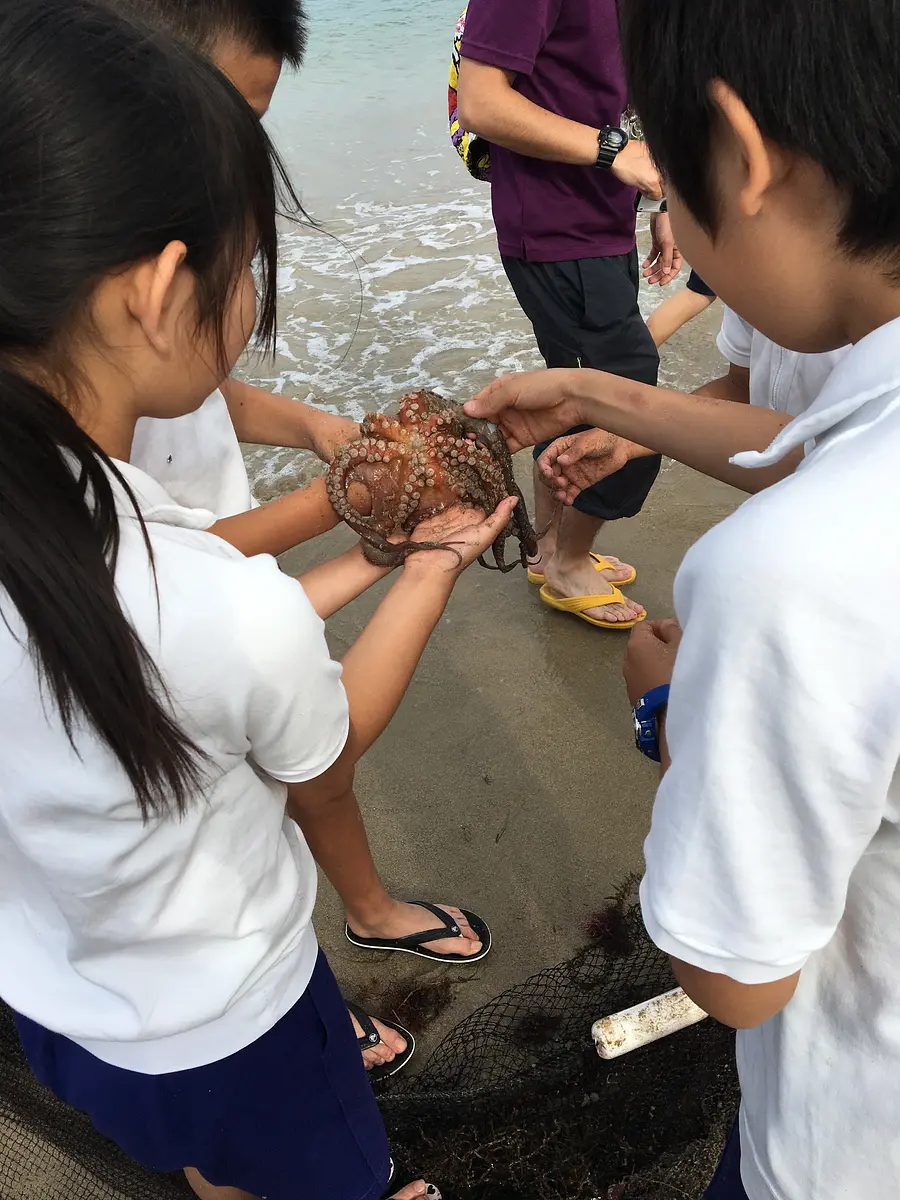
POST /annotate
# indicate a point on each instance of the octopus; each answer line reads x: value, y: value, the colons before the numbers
x: 412, y: 466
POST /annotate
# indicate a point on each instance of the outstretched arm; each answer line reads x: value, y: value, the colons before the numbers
x: 734, y: 386
x: 334, y: 584
x: 268, y: 420
x: 277, y: 527
x: 701, y: 433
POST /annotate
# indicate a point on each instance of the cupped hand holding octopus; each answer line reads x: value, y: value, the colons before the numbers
x: 407, y: 468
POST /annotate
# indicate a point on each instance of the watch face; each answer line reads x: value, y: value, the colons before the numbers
x: 615, y: 139
x: 638, y: 732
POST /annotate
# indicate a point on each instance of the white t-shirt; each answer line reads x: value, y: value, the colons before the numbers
x: 780, y: 379
x: 775, y: 841
x: 196, y: 458
x: 165, y: 946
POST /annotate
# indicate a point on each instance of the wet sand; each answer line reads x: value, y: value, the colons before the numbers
x: 508, y: 782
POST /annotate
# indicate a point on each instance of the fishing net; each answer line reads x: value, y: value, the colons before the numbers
x: 513, y: 1104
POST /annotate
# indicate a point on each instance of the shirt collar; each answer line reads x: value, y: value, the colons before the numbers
x: 870, y: 369
x: 154, y: 502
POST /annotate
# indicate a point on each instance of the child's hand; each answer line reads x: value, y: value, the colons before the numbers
x: 650, y: 656
x: 579, y: 460
x: 328, y: 433
x: 531, y: 406
x: 466, y: 529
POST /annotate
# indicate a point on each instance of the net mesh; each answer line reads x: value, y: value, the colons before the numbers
x: 514, y: 1103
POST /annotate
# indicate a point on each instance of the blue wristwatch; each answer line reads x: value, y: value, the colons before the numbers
x: 646, y: 721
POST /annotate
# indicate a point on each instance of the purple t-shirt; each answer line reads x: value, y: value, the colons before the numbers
x: 568, y: 58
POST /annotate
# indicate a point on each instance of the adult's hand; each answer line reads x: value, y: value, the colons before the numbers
x: 529, y: 407
x: 650, y: 656
x: 579, y: 460
x: 665, y: 260
x: 634, y: 167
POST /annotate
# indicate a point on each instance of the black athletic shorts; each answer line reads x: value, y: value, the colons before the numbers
x: 586, y: 312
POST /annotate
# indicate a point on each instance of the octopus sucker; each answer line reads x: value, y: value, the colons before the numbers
x: 412, y: 466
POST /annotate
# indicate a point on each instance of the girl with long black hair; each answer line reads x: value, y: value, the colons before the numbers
x: 164, y: 698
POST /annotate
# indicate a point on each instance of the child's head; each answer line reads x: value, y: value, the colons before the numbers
x: 133, y: 230
x: 777, y: 126
x: 135, y: 187
x: 249, y: 40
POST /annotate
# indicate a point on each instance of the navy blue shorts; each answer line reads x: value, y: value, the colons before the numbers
x: 726, y: 1184
x: 291, y: 1117
x: 696, y: 284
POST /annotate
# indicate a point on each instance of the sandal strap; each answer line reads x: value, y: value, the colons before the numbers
x: 579, y: 604
x: 448, y: 929
x: 371, y: 1036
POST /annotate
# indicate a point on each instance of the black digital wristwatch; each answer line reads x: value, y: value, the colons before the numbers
x: 610, y: 142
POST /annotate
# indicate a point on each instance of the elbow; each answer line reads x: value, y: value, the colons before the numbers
x: 738, y: 1005
x: 332, y: 788
x: 741, y: 1020
x: 470, y: 111
x: 480, y: 96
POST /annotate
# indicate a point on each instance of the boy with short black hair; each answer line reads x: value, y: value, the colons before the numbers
x: 773, y: 863
x: 197, y: 458
x: 273, y: 28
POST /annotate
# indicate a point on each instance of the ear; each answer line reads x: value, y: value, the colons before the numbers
x: 158, y: 291
x: 759, y: 160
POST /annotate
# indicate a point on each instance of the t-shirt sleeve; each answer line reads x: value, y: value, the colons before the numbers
x: 735, y: 338
x: 507, y: 33
x: 297, y: 715
x: 783, y: 746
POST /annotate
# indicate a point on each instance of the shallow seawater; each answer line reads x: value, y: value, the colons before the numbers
x: 402, y: 285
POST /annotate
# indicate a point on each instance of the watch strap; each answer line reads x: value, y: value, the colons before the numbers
x: 654, y: 700
x: 646, y: 721
x: 611, y: 141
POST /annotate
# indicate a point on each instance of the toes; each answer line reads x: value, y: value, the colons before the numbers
x: 417, y: 1189
x: 462, y: 921
x: 618, y: 613
x: 466, y: 945
x: 392, y: 1042
x: 388, y: 1048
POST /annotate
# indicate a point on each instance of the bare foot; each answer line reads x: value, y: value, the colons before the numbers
x: 584, y: 580
x: 617, y: 572
x: 404, y: 919
x: 388, y: 1048
x: 546, y: 551
x: 417, y: 1189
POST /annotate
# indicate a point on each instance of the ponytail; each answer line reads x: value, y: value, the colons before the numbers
x: 59, y: 540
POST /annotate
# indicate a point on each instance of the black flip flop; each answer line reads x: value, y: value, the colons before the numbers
x: 371, y: 1039
x: 414, y: 943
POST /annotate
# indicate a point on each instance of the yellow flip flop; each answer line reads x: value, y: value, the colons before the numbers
x: 578, y: 606
x: 600, y: 564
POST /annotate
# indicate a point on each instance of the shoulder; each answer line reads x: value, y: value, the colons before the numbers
x: 506, y: 33
x: 735, y: 338
x: 770, y: 584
